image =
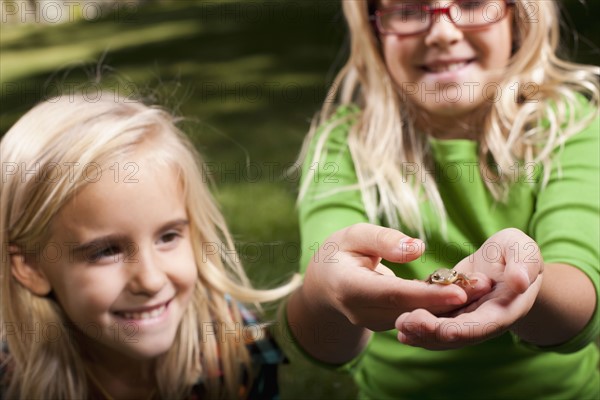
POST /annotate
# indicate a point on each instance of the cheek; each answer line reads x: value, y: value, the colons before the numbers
x: 496, y: 45
x: 396, y: 56
x: 186, y: 274
x: 84, y: 297
x: 187, y: 277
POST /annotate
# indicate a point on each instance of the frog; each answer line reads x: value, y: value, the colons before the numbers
x: 445, y: 276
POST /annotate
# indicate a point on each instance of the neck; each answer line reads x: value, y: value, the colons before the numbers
x: 466, y: 126
x: 120, y: 384
x: 118, y: 376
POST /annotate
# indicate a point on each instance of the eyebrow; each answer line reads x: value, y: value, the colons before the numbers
x: 177, y: 223
x: 98, y: 243
x: 101, y: 241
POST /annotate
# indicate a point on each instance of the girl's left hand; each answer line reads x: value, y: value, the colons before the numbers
x: 512, y: 260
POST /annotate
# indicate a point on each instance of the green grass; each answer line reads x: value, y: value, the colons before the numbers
x: 248, y: 75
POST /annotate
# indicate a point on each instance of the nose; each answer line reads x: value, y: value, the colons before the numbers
x: 443, y: 32
x: 147, y: 275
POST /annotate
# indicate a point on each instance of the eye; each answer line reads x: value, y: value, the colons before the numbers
x: 103, y: 255
x: 169, y: 237
x: 471, y: 5
x: 407, y: 12
x: 436, y: 277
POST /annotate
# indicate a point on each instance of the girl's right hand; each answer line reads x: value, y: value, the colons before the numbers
x: 355, y: 284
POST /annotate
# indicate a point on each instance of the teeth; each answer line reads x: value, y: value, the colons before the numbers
x: 146, y: 314
x: 447, y: 67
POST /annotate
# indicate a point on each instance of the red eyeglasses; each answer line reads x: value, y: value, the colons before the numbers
x: 414, y: 18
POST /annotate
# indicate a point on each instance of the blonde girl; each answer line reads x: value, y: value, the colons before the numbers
x: 454, y: 122
x: 113, y: 279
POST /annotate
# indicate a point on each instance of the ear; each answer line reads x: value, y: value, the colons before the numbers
x: 28, y: 274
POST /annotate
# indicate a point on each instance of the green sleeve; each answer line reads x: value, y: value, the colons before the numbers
x: 566, y: 222
x: 333, y: 200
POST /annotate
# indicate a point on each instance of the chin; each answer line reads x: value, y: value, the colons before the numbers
x: 147, y: 352
x: 145, y: 349
x: 458, y: 109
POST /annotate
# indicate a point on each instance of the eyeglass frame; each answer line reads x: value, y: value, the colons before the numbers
x: 375, y: 18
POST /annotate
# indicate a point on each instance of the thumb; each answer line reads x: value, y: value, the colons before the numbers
x: 376, y: 241
x: 520, y: 255
x: 523, y: 264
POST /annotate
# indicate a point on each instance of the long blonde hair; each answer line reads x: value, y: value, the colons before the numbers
x: 72, y: 131
x: 382, y: 138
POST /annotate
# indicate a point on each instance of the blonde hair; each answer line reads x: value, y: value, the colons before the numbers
x: 68, y: 130
x: 382, y: 138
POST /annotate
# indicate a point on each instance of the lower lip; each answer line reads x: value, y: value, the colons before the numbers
x: 147, y: 322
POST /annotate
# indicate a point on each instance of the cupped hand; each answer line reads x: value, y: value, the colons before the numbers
x: 352, y: 280
x: 512, y: 260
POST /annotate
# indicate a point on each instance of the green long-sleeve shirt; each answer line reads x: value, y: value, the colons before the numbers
x: 564, y: 219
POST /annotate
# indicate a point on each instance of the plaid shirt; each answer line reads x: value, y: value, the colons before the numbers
x: 266, y: 356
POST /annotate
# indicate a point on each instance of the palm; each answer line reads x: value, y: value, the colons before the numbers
x: 515, y: 287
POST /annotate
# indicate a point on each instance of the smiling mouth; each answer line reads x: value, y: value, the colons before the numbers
x: 143, y: 315
x: 446, y: 67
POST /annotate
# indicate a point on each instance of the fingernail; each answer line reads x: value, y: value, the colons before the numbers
x: 409, y: 244
x: 410, y: 329
x: 403, y: 338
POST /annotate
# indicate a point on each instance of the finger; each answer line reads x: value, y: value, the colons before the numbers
x: 422, y: 329
x: 415, y: 329
x: 373, y: 240
x: 523, y: 264
x: 478, y: 283
x: 480, y: 286
x: 401, y: 294
x: 383, y: 270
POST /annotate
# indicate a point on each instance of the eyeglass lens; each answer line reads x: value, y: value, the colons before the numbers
x: 415, y: 17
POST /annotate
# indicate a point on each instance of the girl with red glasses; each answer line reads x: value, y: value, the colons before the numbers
x: 464, y: 145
